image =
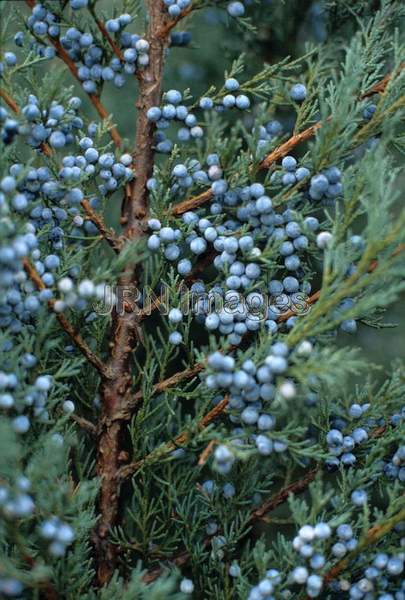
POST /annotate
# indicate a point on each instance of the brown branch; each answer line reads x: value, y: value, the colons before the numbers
x: 65, y: 324
x: 279, y: 152
x: 166, y: 29
x: 192, y: 203
x: 380, y: 86
x: 204, y: 456
x: 95, y: 100
x: 297, y: 487
x: 125, y: 327
x: 107, y: 233
x: 9, y: 101
x: 116, y: 49
x: 180, y: 440
x: 286, y: 148
x: 84, y: 424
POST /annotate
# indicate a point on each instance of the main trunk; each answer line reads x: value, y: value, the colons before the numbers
x: 116, y: 391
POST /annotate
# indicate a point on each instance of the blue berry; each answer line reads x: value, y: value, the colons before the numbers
x: 298, y: 92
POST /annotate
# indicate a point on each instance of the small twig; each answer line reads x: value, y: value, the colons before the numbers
x: 286, y: 148
x: 116, y: 49
x: 207, y: 452
x: 166, y: 29
x: 380, y: 86
x: 107, y: 233
x: 191, y: 203
x: 65, y: 324
x: 180, y: 440
x: 9, y: 101
x: 84, y: 424
x: 294, y: 488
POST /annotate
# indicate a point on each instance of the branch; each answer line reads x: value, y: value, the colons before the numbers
x: 180, y: 440
x: 116, y: 392
x: 166, y: 29
x: 107, y: 233
x: 84, y: 424
x: 65, y: 324
x: 116, y: 49
x: 9, y: 101
x: 380, y: 86
x: 191, y: 203
x: 297, y: 487
x: 281, y: 151
x: 95, y: 100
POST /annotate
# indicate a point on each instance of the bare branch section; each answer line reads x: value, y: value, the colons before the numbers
x: 9, y: 101
x: 279, y: 152
x: 94, y: 99
x: 107, y: 233
x: 65, y: 324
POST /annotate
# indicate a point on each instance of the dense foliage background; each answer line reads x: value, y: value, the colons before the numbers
x: 195, y: 503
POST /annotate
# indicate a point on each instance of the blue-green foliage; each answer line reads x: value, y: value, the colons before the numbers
x: 260, y: 455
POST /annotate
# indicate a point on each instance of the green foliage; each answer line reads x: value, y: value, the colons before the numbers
x: 171, y: 524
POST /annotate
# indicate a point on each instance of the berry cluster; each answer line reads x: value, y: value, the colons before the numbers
x: 380, y: 580
x: 55, y: 125
x: 266, y: 134
x: 313, y: 544
x: 176, y: 7
x: 15, y: 502
x: 58, y: 535
x: 322, y: 186
x: 251, y: 389
x: 340, y: 446
x: 310, y: 544
x: 94, y: 64
x: 22, y: 398
x: 173, y: 110
x: 395, y: 468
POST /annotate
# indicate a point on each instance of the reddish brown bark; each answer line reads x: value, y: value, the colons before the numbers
x: 125, y: 328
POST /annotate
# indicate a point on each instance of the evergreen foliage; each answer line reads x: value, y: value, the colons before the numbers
x: 184, y: 411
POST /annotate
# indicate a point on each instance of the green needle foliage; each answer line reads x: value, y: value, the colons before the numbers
x: 185, y: 411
